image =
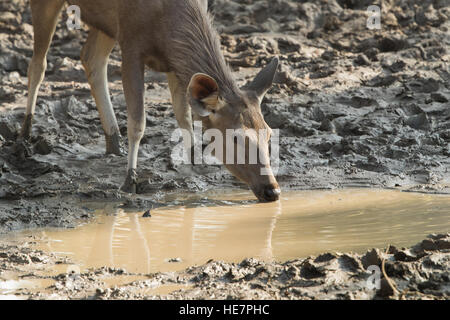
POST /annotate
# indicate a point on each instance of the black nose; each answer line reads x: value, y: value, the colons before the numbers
x: 271, y: 194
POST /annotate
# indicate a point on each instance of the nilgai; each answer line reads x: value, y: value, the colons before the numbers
x: 171, y: 36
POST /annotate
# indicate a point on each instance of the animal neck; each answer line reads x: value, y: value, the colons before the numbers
x: 196, y: 49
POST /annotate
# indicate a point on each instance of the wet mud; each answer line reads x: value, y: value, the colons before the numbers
x: 299, y: 225
x: 201, y: 251
x: 419, y: 272
x: 355, y: 108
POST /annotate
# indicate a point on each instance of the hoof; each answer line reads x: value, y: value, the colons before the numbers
x: 25, y: 134
x: 130, y: 184
x: 114, y: 144
x: 21, y: 150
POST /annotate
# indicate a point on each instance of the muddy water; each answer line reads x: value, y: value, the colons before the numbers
x: 301, y: 224
x: 11, y: 286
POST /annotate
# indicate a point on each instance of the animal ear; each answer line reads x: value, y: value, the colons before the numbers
x: 203, y: 94
x: 263, y: 81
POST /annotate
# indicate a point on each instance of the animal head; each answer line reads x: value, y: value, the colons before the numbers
x: 238, y: 117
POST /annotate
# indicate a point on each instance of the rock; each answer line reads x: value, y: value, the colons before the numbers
x: 242, y: 29
x: 7, y: 131
x: 245, y: 61
x: 429, y: 16
x: 371, y: 258
x: 397, y: 66
x: 405, y: 256
x: 325, y: 257
x: 389, y: 19
x: 382, y: 81
x: 43, y: 146
x: 287, y: 45
x: 327, y: 125
x: 284, y: 76
x: 419, y: 122
x: 354, y: 4
x: 7, y: 94
x: 435, y: 244
x: 318, y: 114
x: 422, y: 85
x: 331, y: 23
x: 439, y: 97
x: 73, y: 107
x: 372, y: 53
x: 411, y: 109
x: 313, y: 34
x: 388, y: 44
x: 350, y: 263
x: 310, y: 271
x: 28, y: 29
x: 323, y: 72
x: 147, y: 214
x: 362, y: 60
x: 385, y: 289
x: 328, y: 55
x: 361, y: 102
x: 8, y: 62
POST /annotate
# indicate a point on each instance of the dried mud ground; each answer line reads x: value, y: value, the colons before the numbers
x: 420, y: 272
x: 355, y: 108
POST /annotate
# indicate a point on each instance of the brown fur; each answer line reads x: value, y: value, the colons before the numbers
x: 172, y: 36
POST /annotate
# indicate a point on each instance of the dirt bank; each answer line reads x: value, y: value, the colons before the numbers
x: 420, y: 272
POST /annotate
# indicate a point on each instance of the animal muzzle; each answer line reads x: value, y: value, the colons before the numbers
x: 267, y: 193
x: 271, y: 194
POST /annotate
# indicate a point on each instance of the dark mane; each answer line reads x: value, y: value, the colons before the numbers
x: 196, y: 47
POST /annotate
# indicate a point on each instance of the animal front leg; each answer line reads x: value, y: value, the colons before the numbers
x: 133, y: 86
x: 44, y: 15
x: 95, y: 56
x: 183, y: 114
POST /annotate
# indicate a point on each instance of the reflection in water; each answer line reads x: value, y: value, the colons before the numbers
x: 301, y: 224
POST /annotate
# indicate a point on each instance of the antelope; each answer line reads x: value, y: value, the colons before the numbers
x: 175, y: 37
